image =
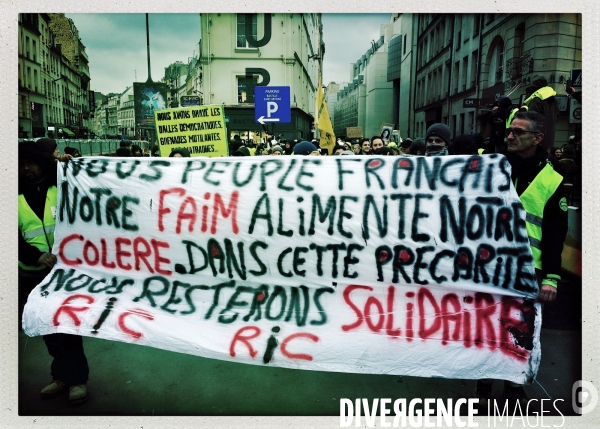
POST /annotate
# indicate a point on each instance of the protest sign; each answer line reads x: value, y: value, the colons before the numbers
x: 201, y: 130
x: 410, y: 265
x: 354, y: 132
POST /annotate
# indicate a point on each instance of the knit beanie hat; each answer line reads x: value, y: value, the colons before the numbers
x: 439, y: 130
x: 72, y: 151
x: 46, y: 145
x: 504, y: 101
x: 304, y: 148
x: 405, y: 143
x: 242, y: 151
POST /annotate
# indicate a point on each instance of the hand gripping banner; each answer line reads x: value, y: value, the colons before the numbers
x: 393, y: 265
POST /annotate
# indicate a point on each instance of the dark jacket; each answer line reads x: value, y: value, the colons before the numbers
x: 568, y: 169
x: 547, y: 106
x: 555, y: 222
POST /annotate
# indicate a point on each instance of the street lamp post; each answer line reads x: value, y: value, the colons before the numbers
x: 174, y: 100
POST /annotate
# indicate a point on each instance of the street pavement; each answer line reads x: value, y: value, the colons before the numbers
x: 133, y: 380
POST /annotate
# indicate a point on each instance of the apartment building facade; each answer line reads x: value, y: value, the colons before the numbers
x: 54, y: 78
x: 240, y: 51
x: 367, y: 100
x: 465, y: 61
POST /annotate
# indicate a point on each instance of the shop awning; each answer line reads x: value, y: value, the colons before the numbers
x: 67, y: 131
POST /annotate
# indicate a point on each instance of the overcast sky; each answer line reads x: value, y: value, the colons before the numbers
x: 116, y: 44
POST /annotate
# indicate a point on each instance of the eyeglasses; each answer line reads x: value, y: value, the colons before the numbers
x: 517, y: 132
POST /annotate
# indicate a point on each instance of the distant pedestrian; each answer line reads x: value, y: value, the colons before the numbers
x: 338, y: 149
x: 126, y: 143
x: 136, y: 151
x: 365, y: 146
x: 405, y: 146
x: 123, y: 152
x: 276, y: 151
x: 242, y: 151
x: 376, y: 143
x: 306, y: 148
x: 418, y: 147
x: 179, y: 152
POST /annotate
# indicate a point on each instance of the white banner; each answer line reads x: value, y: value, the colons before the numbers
x: 414, y: 266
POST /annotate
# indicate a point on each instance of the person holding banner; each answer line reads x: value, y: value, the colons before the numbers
x: 541, y: 191
x: 37, y: 205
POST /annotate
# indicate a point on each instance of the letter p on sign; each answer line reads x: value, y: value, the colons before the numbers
x: 272, y: 107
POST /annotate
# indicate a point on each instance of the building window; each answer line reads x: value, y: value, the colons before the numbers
x: 474, y: 64
x: 241, y: 41
x: 455, y: 76
x: 465, y: 74
x: 242, y: 88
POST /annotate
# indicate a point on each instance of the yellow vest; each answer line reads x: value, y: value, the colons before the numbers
x: 511, y: 116
x: 36, y: 233
x: 542, y: 94
x: 534, y: 200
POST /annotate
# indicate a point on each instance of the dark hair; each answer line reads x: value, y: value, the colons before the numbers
x: 123, y: 151
x: 418, y: 147
x: 135, y: 148
x: 181, y: 151
x: 384, y: 151
x: 479, y: 140
x: 373, y: 138
x: 338, y: 146
x: 463, y: 144
x: 537, y: 120
x: 568, y: 151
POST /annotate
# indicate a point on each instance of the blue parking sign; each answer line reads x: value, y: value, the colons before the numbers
x: 272, y: 104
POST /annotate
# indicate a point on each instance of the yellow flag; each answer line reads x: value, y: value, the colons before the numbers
x: 327, y: 138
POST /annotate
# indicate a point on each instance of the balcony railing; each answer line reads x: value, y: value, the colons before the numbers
x: 516, y: 68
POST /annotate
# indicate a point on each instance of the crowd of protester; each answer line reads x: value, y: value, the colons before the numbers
x: 524, y: 134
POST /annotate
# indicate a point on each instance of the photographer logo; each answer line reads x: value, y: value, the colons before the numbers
x: 584, y: 397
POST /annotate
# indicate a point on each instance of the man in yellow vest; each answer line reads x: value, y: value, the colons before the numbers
x: 540, y: 189
x: 37, y: 213
x: 541, y: 98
